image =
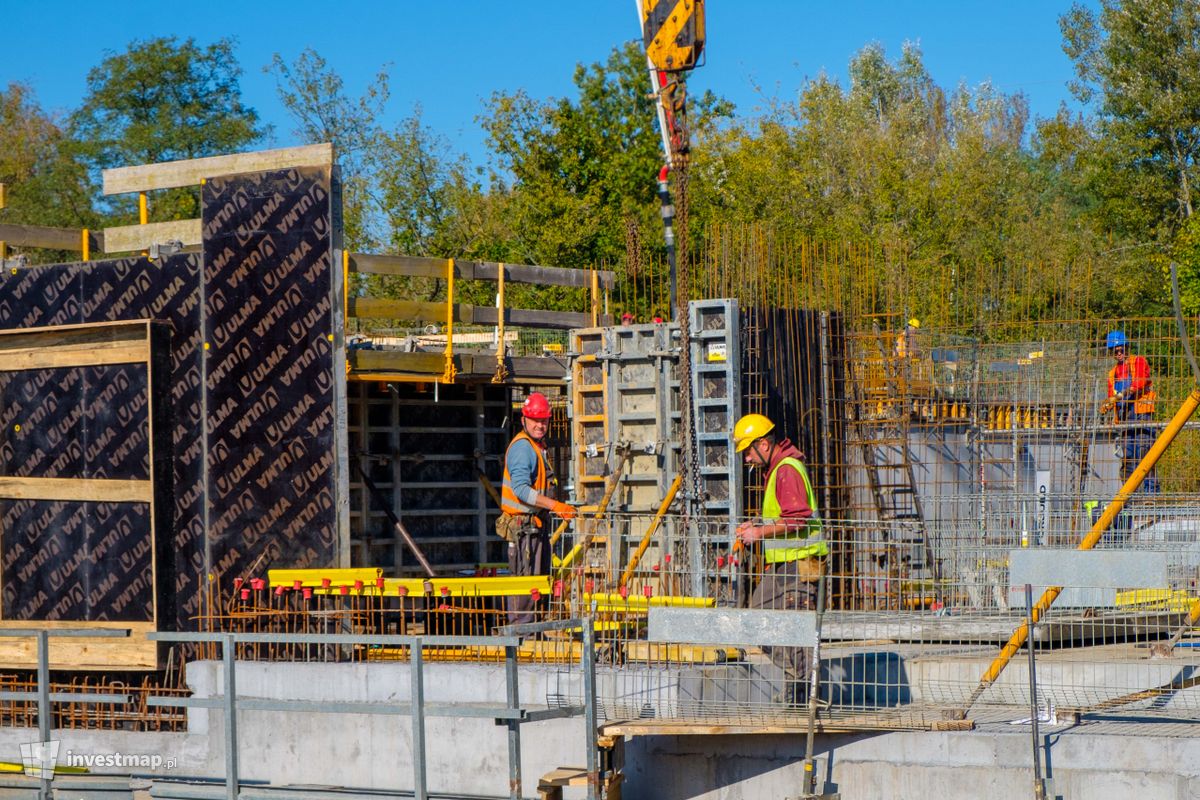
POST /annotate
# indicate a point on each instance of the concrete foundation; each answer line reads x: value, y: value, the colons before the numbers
x: 470, y: 756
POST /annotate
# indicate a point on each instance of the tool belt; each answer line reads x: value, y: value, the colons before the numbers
x: 807, y: 569
x: 510, y: 526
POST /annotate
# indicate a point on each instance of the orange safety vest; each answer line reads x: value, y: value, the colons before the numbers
x: 510, y: 503
x: 1144, y: 403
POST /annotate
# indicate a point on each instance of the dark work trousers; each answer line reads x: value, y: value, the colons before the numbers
x: 781, y: 589
x: 1136, y: 443
x: 1132, y: 446
x: 528, y: 555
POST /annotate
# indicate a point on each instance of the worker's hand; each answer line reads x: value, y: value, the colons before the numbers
x: 1109, y: 404
x: 564, y: 511
x: 748, y: 532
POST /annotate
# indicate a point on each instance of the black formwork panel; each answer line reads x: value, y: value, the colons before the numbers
x: 269, y: 331
x: 252, y: 364
x: 107, y: 440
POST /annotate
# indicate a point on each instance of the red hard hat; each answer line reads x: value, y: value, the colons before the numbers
x: 536, y: 406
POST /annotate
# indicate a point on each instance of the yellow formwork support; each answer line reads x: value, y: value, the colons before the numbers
x: 365, y: 583
x: 312, y: 578
x: 611, y: 601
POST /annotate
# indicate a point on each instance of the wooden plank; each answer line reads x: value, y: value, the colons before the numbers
x: 189, y: 172
x: 52, y: 238
x: 77, y: 489
x: 421, y: 267
x: 381, y: 308
x: 132, y: 652
x: 74, y: 346
x: 127, y: 238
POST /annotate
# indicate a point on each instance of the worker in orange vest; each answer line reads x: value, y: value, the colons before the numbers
x: 526, y: 504
x: 1131, y: 399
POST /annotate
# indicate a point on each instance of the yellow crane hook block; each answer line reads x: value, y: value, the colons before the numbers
x: 673, y: 32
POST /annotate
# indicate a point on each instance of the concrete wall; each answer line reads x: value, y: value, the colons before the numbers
x: 469, y: 756
x: 971, y: 765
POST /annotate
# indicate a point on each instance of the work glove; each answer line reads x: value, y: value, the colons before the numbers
x: 1111, y: 403
x: 564, y: 511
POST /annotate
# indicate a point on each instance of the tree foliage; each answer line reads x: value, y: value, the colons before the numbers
x: 163, y: 100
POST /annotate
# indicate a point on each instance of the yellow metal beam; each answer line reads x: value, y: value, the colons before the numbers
x: 365, y: 582
x: 616, y: 602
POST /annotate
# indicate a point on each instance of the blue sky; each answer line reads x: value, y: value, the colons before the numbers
x: 449, y: 57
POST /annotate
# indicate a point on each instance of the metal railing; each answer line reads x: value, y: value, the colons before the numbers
x: 44, y: 697
x: 512, y: 714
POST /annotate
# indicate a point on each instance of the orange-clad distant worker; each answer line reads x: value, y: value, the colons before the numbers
x: 791, y: 531
x: 527, y: 504
x: 1131, y: 399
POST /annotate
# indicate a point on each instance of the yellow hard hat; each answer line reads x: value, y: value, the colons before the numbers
x: 914, y: 323
x: 749, y: 428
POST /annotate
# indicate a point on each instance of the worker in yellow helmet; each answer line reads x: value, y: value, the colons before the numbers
x: 791, y: 533
x: 906, y: 340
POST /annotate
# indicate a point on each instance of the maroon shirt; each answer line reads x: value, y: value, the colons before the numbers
x: 789, y: 487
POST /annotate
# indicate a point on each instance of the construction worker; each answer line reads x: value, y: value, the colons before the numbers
x: 526, y: 504
x: 790, y: 530
x: 906, y: 341
x: 1131, y: 400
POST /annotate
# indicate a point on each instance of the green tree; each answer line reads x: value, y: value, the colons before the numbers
x: 1138, y: 61
x: 578, y: 169
x: 163, y: 100
x: 315, y: 95
x: 44, y: 184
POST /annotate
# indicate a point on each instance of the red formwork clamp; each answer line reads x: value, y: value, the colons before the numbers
x: 444, y: 591
x: 379, y: 582
x: 624, y: 592
x: 558, y: 588
x: 297, y: 584
x: 279, y: 590
x: 326, y: 583
x: 237, y: 583
x: 589, y: 585
x: 535, y: 594
x: 402, y: 591
x: 358, y: 586
x: 245, y: 594
x: 648, y: 590
x: 257, y: 584
x: 307, y: 591
x: 344, y: 589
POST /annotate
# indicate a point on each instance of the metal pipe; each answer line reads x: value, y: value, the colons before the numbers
x: 417, y: 679
x: 1039, y: 788
x: 636, y: 558
x: 514, y: 724
x: 449, y: 371
x: 1051, y: 593
x: 810, y: 777
x: 501, y: 371
x: 229, y: 657
x: 43, y: 689
x: 589, y: 707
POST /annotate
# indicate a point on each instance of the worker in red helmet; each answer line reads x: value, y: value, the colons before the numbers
x: 526, y: 502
